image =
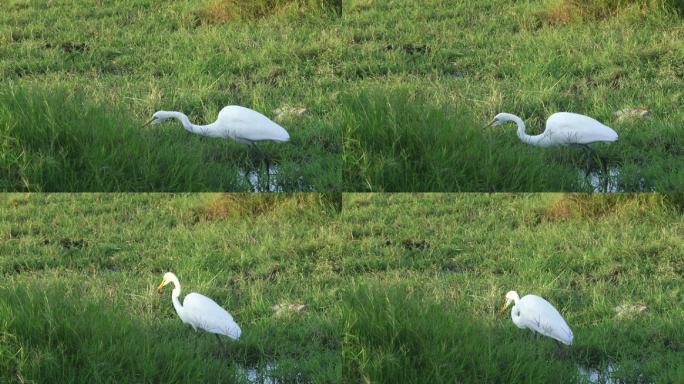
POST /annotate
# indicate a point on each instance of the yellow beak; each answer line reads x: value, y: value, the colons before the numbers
x: 490, y: 123
x: 161, y: 285
x: 503, y: 309
x: 148, y: 122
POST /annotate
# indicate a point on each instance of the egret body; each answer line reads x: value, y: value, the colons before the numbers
x: 200, y: 311
x: 562, y: 128
x: 533, y: 312
x: 244, y: 125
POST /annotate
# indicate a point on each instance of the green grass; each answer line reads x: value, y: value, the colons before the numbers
x: 76, y: 95
x: 79, y: 276
x: 398, y: 287
x: 430, y: 273
x: 451, y: 66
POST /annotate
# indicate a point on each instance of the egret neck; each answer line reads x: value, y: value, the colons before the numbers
x: 204, y: 130
x: 538, y: 140
x: 175, y: 294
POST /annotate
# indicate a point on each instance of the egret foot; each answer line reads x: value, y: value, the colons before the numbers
x: 267, y: 163
x: 589, y: 153
x: 224, y: 350
x: 561, y: 352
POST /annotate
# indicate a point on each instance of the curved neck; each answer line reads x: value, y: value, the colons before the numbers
x: 204, y: 130
x: 524, y: 137
x: 174, y: 297
x: 515, y: 315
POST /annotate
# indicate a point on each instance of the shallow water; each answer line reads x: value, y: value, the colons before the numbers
x: 269, y: 185
x: 255, y: 178
x: 261, y: 375
x: 603, y: 376
x: 601, y: 182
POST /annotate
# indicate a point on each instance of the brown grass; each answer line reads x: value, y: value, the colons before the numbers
x: 563, y: 12
x: 217, y: 12
x: 588, y: 205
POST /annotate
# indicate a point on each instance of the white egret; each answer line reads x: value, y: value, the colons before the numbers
x: 201, y: 312
x: 562, y: 128
x: 244, y: 125
x: 539, y: 315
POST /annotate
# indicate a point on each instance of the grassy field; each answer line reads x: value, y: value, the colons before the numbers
x: 420, y: 90
x: 79, y: 276
x: 430, y: 273
x: 80, y: 79
x: 398, y: 288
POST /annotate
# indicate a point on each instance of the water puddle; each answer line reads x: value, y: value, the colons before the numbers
x: 602, y: 376
x: 263, y: 374
x: 254, y: 177
x: 601, y: 182
x: 261, y: 181
x: 608, y: 181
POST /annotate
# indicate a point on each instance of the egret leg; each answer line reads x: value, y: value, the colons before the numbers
x: 604, y: 175
x: 590, y: 161
x: 560, y: 352
x: 223, y: 346
x: 267, y: 163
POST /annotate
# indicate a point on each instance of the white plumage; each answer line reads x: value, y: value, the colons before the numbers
x: 200, y: 311
x: 241, y: 124
x: 562, y: 128
x: 535, y: 313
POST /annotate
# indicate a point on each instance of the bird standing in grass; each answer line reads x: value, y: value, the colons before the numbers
x: 539, y: 315
x: 241, y: 124
x: 562, y: 128
x: 201, y: 312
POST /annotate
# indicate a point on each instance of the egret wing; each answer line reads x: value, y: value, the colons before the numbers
x: 569, y: 128
x: 204, y: 313
x: 248, y: 124
x: 539, y: 315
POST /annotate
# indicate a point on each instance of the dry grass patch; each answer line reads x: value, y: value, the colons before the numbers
x: 588, y: 205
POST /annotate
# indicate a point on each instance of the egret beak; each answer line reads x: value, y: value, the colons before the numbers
x: 505, y: 306
x: 149, y: 122
x: 490, y: 123
x: 159, y: 288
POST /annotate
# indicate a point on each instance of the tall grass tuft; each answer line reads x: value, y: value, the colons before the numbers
x: 63, y: 141
x: 406, y: 142
x: 54, y: 334
x: 398, y: 334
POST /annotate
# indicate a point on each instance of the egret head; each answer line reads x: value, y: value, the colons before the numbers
x: 511, y: 296
x: 157, y: 118
x: 168, y: 277
x: 498, y: 120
